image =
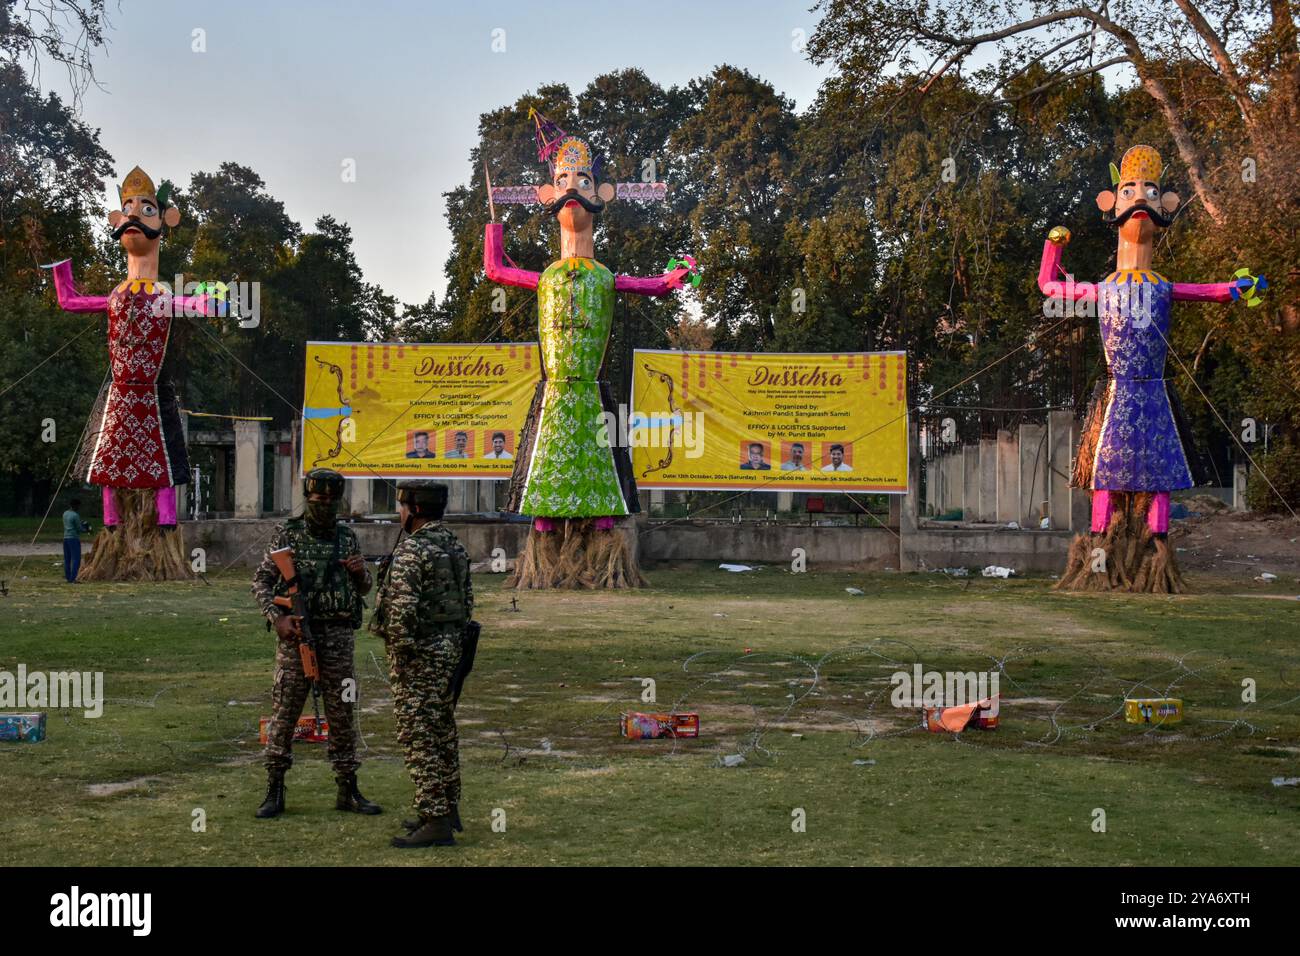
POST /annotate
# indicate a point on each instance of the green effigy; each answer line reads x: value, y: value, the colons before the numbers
x: 572, y: 473
x: 571, y: 470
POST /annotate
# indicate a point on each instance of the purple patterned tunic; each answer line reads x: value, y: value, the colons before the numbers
x: 1139, y: 447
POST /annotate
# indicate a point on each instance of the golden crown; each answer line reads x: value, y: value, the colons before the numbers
x: 137, y: 183
x: 1141, y: 164
x: 572, y: 155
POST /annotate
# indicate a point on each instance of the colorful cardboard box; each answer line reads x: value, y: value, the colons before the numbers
x: 1153, y: 710
x: 636, y: 726
x: 953, y: 720
x: 22, y: 728
x: 307, y: 730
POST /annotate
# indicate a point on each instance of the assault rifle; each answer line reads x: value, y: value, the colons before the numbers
x: 468, y: 648
x: 295, y: 602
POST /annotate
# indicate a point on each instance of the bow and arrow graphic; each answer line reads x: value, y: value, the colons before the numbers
x: 343, y: 411
x: 674, y: 416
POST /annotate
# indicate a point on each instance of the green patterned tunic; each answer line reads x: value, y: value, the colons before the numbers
x: 571, y: 469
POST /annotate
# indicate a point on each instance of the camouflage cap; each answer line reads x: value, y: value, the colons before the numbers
x: 326, y: 481
x: 423, y: 493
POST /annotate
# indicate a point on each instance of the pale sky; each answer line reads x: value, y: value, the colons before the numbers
x: 292, y: 89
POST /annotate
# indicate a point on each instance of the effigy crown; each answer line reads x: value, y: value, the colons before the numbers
x: 1140, y: 164
x: 138, y: 184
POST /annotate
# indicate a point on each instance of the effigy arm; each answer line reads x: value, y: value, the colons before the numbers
x: 671, y: 278
x: 494, y: 261
x: 1051, y: 286
x: 70, y: 300
x: 650, y: 285
x: 1248, y: 286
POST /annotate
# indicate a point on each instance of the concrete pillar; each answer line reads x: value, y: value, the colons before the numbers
x: 931, y: 485
x: 987, y: 480
x: 941, y: 504
x: 182, y: 491
x: 1008, y: 477
x: 218, y: 500
x: 956, y: 479
x: 895, y: 511
x: 785, y: 501
x: 360, y: 496
x: 970, y: 482
x: 248, y: 469
x: 1240, y: 471
x: 1080, y: 498
x: 1033, y: 474
x: 908, y: 511
x: 283, y: 482
x: 1059, y: 425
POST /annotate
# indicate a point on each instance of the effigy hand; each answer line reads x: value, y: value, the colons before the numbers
x: 1249, y: 286
x: 678, y: 269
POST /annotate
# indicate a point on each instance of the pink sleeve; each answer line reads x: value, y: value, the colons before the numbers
x: 1204, y: 291
x: 195, y: 305
x: 651, y: 285
x: 494, y: 261
x: 1054, y: 288
x: 70, y: 300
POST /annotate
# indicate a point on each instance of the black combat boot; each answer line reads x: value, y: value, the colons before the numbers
x: 410, y: 825
x: 350, y: 797
x: 433, y: 831
x: 273, y: 805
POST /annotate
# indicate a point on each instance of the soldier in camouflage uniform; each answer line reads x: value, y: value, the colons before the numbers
x: 332, y: 576
x: 422, y: 610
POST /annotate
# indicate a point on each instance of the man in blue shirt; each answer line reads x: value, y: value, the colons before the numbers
x: 73, y: 528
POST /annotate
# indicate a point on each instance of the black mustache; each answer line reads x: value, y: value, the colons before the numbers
x: 149, y: 233
x: 595, y: 208
x: 1155, y: 212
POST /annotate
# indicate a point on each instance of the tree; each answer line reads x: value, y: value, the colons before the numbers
x: 733, y: 159
x: 1247, y: 45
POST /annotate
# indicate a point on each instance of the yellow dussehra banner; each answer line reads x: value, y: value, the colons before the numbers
x: 771, y: 422
x: 416, y: 411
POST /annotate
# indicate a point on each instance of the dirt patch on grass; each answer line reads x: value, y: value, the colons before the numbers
x: 1239, y: 545
x: 124, y: 786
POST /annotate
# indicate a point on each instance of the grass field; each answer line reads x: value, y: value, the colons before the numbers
x: 188, y: 672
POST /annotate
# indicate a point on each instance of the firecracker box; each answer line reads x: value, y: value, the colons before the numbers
x: 636, y: 726
x: 22, y: 728
x: 1153, y: 710
x: 953, y: 720
x: 308, y: 729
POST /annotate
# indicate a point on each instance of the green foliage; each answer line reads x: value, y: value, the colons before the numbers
x: 902, y: 210
x: 1281, y: 465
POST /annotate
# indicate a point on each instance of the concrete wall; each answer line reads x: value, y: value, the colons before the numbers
x: 1025, y: 551
x: 874, y: 548
x: 1020, y: 476
x: 1060, y: 425
x: 1034, y: 491
x: 249, y: 466
x: 1008, y: 477
x: 988, y: 482
x: 241, y: 541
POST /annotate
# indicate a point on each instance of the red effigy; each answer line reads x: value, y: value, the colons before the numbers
x: 134, y: 439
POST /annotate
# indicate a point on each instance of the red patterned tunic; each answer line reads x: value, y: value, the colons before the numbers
x: 134, y: 438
